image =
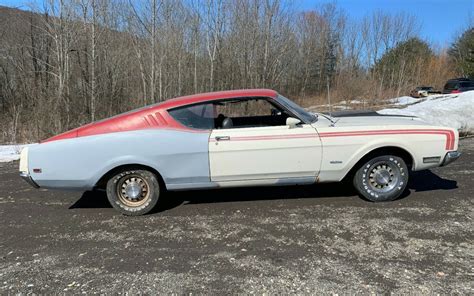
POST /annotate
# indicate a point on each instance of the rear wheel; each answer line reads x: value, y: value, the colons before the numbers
x: 133, y: 192
x: 382, y: 178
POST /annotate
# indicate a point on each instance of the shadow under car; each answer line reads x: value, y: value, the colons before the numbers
x: 419, y: 181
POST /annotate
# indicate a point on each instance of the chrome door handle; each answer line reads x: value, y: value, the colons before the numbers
x: 222, y: 138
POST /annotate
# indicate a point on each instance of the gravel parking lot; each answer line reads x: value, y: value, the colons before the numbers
x: 304, y: 239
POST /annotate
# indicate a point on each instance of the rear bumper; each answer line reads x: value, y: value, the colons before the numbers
x: 28, y: 179
x: 450, y: 157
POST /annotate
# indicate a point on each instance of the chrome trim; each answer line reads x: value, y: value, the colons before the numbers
x: 432, y: 159
x: 222, y: 138
x: 450, y: 157
x: 24, y: 160
x: 25, y: 176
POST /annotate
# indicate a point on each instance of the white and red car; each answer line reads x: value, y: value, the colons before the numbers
x: 235, y: 138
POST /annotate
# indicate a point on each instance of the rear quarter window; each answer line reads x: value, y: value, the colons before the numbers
x: 196, y: 116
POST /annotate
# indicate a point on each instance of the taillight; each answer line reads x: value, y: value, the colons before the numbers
x: 455, y: 91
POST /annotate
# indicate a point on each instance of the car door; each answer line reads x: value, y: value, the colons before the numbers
x: 269, y: 150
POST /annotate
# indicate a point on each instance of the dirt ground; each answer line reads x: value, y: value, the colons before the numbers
x: 304, y: 239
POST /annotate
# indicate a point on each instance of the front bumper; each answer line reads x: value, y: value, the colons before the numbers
x: 450, y: 157
x: 25, y: 176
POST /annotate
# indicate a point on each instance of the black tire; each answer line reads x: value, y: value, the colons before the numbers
x: 133, y: 192
x: 382, y: 178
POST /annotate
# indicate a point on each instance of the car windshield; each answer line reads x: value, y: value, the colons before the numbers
x: 298, y: 110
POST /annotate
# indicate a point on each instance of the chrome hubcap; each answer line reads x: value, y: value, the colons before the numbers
x: 383, y: 177
x: 132, y: 190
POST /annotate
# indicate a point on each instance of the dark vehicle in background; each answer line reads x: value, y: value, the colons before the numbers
x: 458, y: 85
x: 423, y: 91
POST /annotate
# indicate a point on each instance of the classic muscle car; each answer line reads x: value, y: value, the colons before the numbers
x: 235, y: 138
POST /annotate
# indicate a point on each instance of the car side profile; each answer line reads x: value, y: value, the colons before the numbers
x: 235, y: 138
x: 423, y: 91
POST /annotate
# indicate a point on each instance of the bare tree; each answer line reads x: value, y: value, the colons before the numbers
x: 70, y: 62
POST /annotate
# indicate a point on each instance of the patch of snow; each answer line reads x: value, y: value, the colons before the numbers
x: 11, y: 152
x: 405, y: 100
x: 341, y: 107
x: 453, y: 110
x: 349, y: 102
x: 325, y: 108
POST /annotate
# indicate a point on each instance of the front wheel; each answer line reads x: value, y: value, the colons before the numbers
x: 133, y: 192
x: 382, y: 178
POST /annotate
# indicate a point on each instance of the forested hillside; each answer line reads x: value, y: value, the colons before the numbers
x: 68, y: 62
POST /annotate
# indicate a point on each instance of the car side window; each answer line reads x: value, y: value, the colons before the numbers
x: 244, y: 108
x: 200, y: 116
x: 231, y: 113
x: 450, y: 85
x: 467, y: 84
x: 248, y: 112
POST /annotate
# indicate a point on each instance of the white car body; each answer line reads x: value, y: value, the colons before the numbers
x: 290, y: 146
x: 323, y: 150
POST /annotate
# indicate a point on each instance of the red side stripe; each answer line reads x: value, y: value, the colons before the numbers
x: 450, y: 137
x: 152, y: 119
x: 147, y: 122
x: 159, y: 117
x: 277, y: 137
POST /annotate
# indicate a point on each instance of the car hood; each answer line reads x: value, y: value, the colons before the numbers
x: 370, y: 118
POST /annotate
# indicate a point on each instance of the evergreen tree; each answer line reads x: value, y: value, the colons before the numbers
x: 402, y: 65
x: 461, y: 53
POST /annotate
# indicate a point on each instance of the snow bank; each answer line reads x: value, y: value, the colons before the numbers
x: 453, y: 110
x: 405, y: 100
x: 338, y: 106
x: 11, y: 152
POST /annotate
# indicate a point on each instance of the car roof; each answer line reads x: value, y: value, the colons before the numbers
x: 459, y: 80
x: 138, y: 118
x: 210, y: 96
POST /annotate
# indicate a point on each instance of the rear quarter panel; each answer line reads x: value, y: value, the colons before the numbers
x: 180, y: 157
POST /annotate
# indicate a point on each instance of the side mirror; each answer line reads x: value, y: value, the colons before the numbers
x: 292, y: 122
